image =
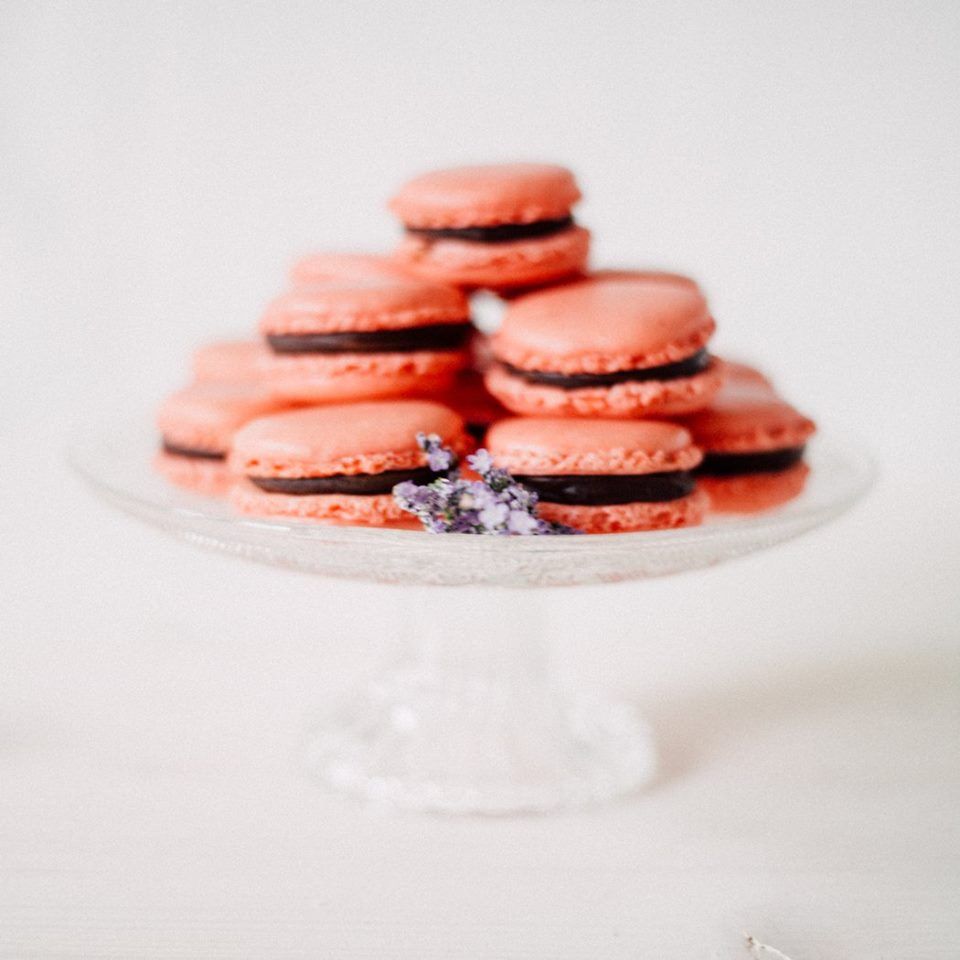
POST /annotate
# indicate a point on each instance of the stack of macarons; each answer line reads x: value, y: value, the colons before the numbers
x: 598, y: 391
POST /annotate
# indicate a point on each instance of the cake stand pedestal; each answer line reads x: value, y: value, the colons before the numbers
x: 476, y: 720
x: 473, y: 719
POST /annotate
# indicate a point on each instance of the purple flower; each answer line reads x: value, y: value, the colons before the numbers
x: 481, y: 461
x: 440, y: 459
x: 494, y: 516
x: 495, y: 505
x: 522, y: 523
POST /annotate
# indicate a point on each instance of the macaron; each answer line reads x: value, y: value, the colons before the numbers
x: 338, y: 463
x: 197, y: 426
x: 497, y: 226
x: 617, y: 348
x: 370, y: 337
x: 603, y: 476
x: 330, y: 267
x: 753, y: 444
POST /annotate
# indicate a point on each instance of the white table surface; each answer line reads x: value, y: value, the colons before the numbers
x: 162, y: 165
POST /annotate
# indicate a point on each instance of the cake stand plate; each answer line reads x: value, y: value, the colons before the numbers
x: 473, y: 720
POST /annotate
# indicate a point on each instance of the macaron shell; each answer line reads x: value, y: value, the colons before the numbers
x: 626, y: 517
x: 676, y: 397
x: 746, y: 419
x: 206, y: 416
x: 228, y: 361
x: 486, y: 195
x: 374, y: 511
x: 337, y: 267
x: 211, y: 478
x: 754, y: 492
x: 515, y: 263
x: 529, y: 445
x: 329, y: 378
x: 364, y: 305
x: 343, y: 439
x: 604, y: 326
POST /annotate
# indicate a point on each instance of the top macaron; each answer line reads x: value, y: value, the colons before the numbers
x: 497, y: 226
x: 606, y: 347
x: 486, y: 196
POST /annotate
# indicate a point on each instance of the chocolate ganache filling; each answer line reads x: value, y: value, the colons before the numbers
x: 765, y: 461
x: 476, y: 429
x: 437, y: 336
x: 688, y: 367
x: 594, y: 490
x: 357, y: 484
x: 498, y: 233
x: 177, y: 451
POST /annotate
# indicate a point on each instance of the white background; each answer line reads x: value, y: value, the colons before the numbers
x: 162, y: 164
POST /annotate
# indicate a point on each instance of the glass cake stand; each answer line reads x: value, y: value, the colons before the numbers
x: 473, y: 719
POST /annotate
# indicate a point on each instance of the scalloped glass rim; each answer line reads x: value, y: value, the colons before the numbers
x: 116, y: 463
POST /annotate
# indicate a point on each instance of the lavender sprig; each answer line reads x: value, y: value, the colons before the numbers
x: 494, y: 505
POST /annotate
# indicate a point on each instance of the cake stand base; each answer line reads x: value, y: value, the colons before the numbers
x: 474, y: 720
x: 404, y: 743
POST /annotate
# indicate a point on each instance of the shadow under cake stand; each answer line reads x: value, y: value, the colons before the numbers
x: 473, y: 719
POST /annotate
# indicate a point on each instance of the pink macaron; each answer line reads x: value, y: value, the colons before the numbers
x: 753, y: 445
x: 498, y: 226
x: 372, y: 337
x: 197, y: 426
x: 617, y: 348
x: 603, y: 476
x: 338, y: 463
